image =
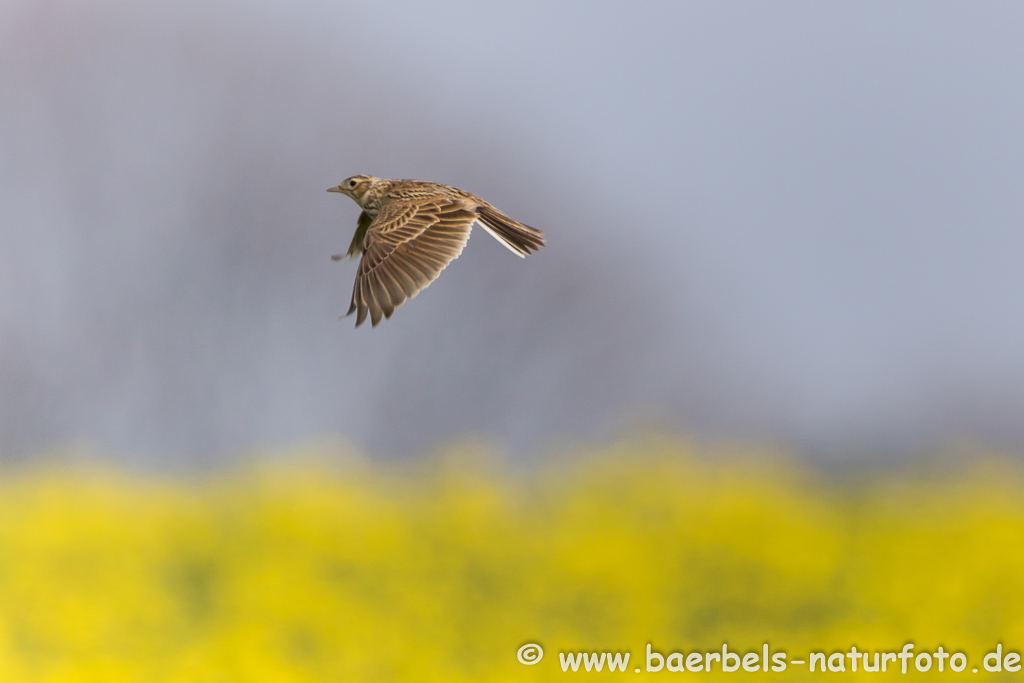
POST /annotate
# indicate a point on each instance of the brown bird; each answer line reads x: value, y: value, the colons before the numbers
x: 409, y: 231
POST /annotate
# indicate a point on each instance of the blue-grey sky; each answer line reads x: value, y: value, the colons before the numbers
x: 790, y: 222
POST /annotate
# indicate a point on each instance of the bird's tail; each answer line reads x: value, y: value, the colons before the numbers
x: 519, y: 238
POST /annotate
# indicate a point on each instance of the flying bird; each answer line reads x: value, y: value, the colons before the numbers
x: 408, y: 231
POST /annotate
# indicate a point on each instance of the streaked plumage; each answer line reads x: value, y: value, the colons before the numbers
x: 409, y: 231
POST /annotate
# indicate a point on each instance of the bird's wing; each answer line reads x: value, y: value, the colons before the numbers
x: 356, y: 247
x: 406, y: 248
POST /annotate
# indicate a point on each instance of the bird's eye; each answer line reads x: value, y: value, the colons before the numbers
x: 351, y: 183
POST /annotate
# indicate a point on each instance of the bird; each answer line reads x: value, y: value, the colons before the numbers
x: 408, y: 231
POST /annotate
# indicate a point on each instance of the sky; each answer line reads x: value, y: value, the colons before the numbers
x: 794, y: 223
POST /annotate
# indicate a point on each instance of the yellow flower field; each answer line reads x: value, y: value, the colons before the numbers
x: 324, y: 567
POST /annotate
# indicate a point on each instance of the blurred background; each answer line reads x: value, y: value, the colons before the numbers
x: 789, y: 232
x: 793, y: 223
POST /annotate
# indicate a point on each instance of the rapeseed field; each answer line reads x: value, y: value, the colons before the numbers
x: 318, y: 566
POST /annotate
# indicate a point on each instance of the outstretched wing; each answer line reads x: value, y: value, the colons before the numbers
x: 407, y: 246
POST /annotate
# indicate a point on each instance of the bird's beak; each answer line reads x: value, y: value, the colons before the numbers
x: 335, y: 189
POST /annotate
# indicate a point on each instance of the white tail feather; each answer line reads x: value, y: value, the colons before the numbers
x: 511, y: 247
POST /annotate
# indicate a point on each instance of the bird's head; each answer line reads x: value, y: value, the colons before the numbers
x: 355, y: 187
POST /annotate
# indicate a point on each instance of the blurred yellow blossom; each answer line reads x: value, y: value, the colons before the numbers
x: 323, y: 567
